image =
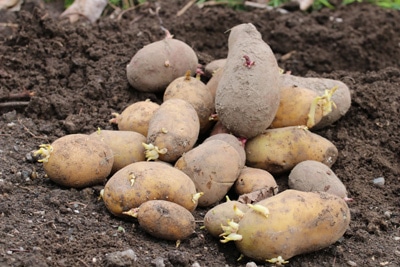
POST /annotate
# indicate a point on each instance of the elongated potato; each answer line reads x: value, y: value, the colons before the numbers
x: 77, y: 160
x: 126, y: 146
x: 195, y: 92
x: 341, y: 97
x: 136, y: 117
x: 213, y: 166
x: 142, y: 181
x: 166, y: 220
x: 292, y: 223
x: 313, y: 175
x: 295, y: 108
x: 154, y: 66
x: 279, y: 150
x: 173, y: 130
x: 222, y: 214
x: 253, y: 179
x: 248, y: 93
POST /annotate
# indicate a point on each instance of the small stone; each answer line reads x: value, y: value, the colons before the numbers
x: 351, y: 263
x: 121, y: 258
x: 388, y: 214
x: 380, y: 181
x: 251, y: 264
x: 158, y: 262
x: 196, y: 264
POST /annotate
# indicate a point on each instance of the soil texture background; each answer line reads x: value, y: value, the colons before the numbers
x: 77, y: 75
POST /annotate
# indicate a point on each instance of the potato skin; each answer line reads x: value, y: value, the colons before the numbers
x: 174, y: 126
x: 279, y: 150
x: 294, y: 108
x: 298, y: 222
x: 126, y: 146
x: 248, y: 96
x: 142, y: 181
x: 154, y: 66
x: 213, y: 166
x: 195, y: 92
x: 78, y: 161
x: 253, y: 179
x: 314, y: 176
x: 166, y: 220
x: 136, y: 117
x: 341, y: 97
x: 220, y: 214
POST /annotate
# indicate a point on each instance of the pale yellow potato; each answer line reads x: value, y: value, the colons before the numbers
x: 279, y: 150
x: 142, y: 181
x: 126, y: 146
x: 292, y: 223
x: 253, y: 179
x: 233, y: 141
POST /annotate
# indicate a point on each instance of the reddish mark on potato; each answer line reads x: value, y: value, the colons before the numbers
x: 248, y: 63
x: 242, y: 141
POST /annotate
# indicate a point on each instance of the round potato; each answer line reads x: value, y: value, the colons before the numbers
x: 126, y: 146
x: 156, y: 65
x: 279, y: 150
x: 233, y: 141
x: 253, y: 179
x: 313, y: 175
x: 142, y: 181
x: 77, y: 160
x: 214, y: 167
x: 173, y: 130
x: 136, y: 117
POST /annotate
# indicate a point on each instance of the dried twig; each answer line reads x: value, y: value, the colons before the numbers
x: 14, y: 104
x: 186, y: 7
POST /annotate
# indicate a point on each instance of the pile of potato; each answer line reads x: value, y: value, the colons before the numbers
x: 247, y: 125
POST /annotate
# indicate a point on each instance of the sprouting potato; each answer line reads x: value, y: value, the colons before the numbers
x: 126, y: 146
x: 214, y: 167
x: 157, y: 64
x: 214, y: 66
x: 313, y: 175
x: 165, y: 219
x: 76, y: 160
x: 195, y: 92
x: 136, y: 117
x: 173, y: 130
x: 279, y: 150
x: 222, y: 214
x: 147, y: 180
x: 288, y: 224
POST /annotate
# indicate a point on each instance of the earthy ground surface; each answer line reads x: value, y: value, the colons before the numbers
x: 77, y: 75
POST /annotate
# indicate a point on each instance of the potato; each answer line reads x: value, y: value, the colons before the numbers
x: 195, y: 92
x: 142, y: 181
x: 295, y: 108
x: 233, y: 141
x: 212, y: 84
x: 77, y: 160
x: 173, y: 130
x: 291, y: 223
x: 126, y: 146
x: 341, y: 97
x: 214, y: 66
x: 136, y: 117
x: 213, y: 166
x: 221, y: 214
x: 248, y: 93
x: 166, y: 220
x: 156, y: 65
x: 279, y: 150
x: 313, y: 175
x: 253, y: 179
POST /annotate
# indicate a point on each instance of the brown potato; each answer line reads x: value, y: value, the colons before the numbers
x: 313, y: 175
x: 142, y: 181
x: 341, y: 97
x: 212, y: 84
x: 136, y: 117
x: 126, y: 146
x: 279, y: 150
x: 173, y: 130
x: 154, y: 66
x: 253, y: 179
x: 166, y: 220
x: 77, y: 160
x: 213, y: 166
x: 291, y: 223
x: 221, y: 214
x: 248, y: 93
x: 214, y: 66
x: 195, y: 92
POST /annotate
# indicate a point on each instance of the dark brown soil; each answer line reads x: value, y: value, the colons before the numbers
x: 77, y: 73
